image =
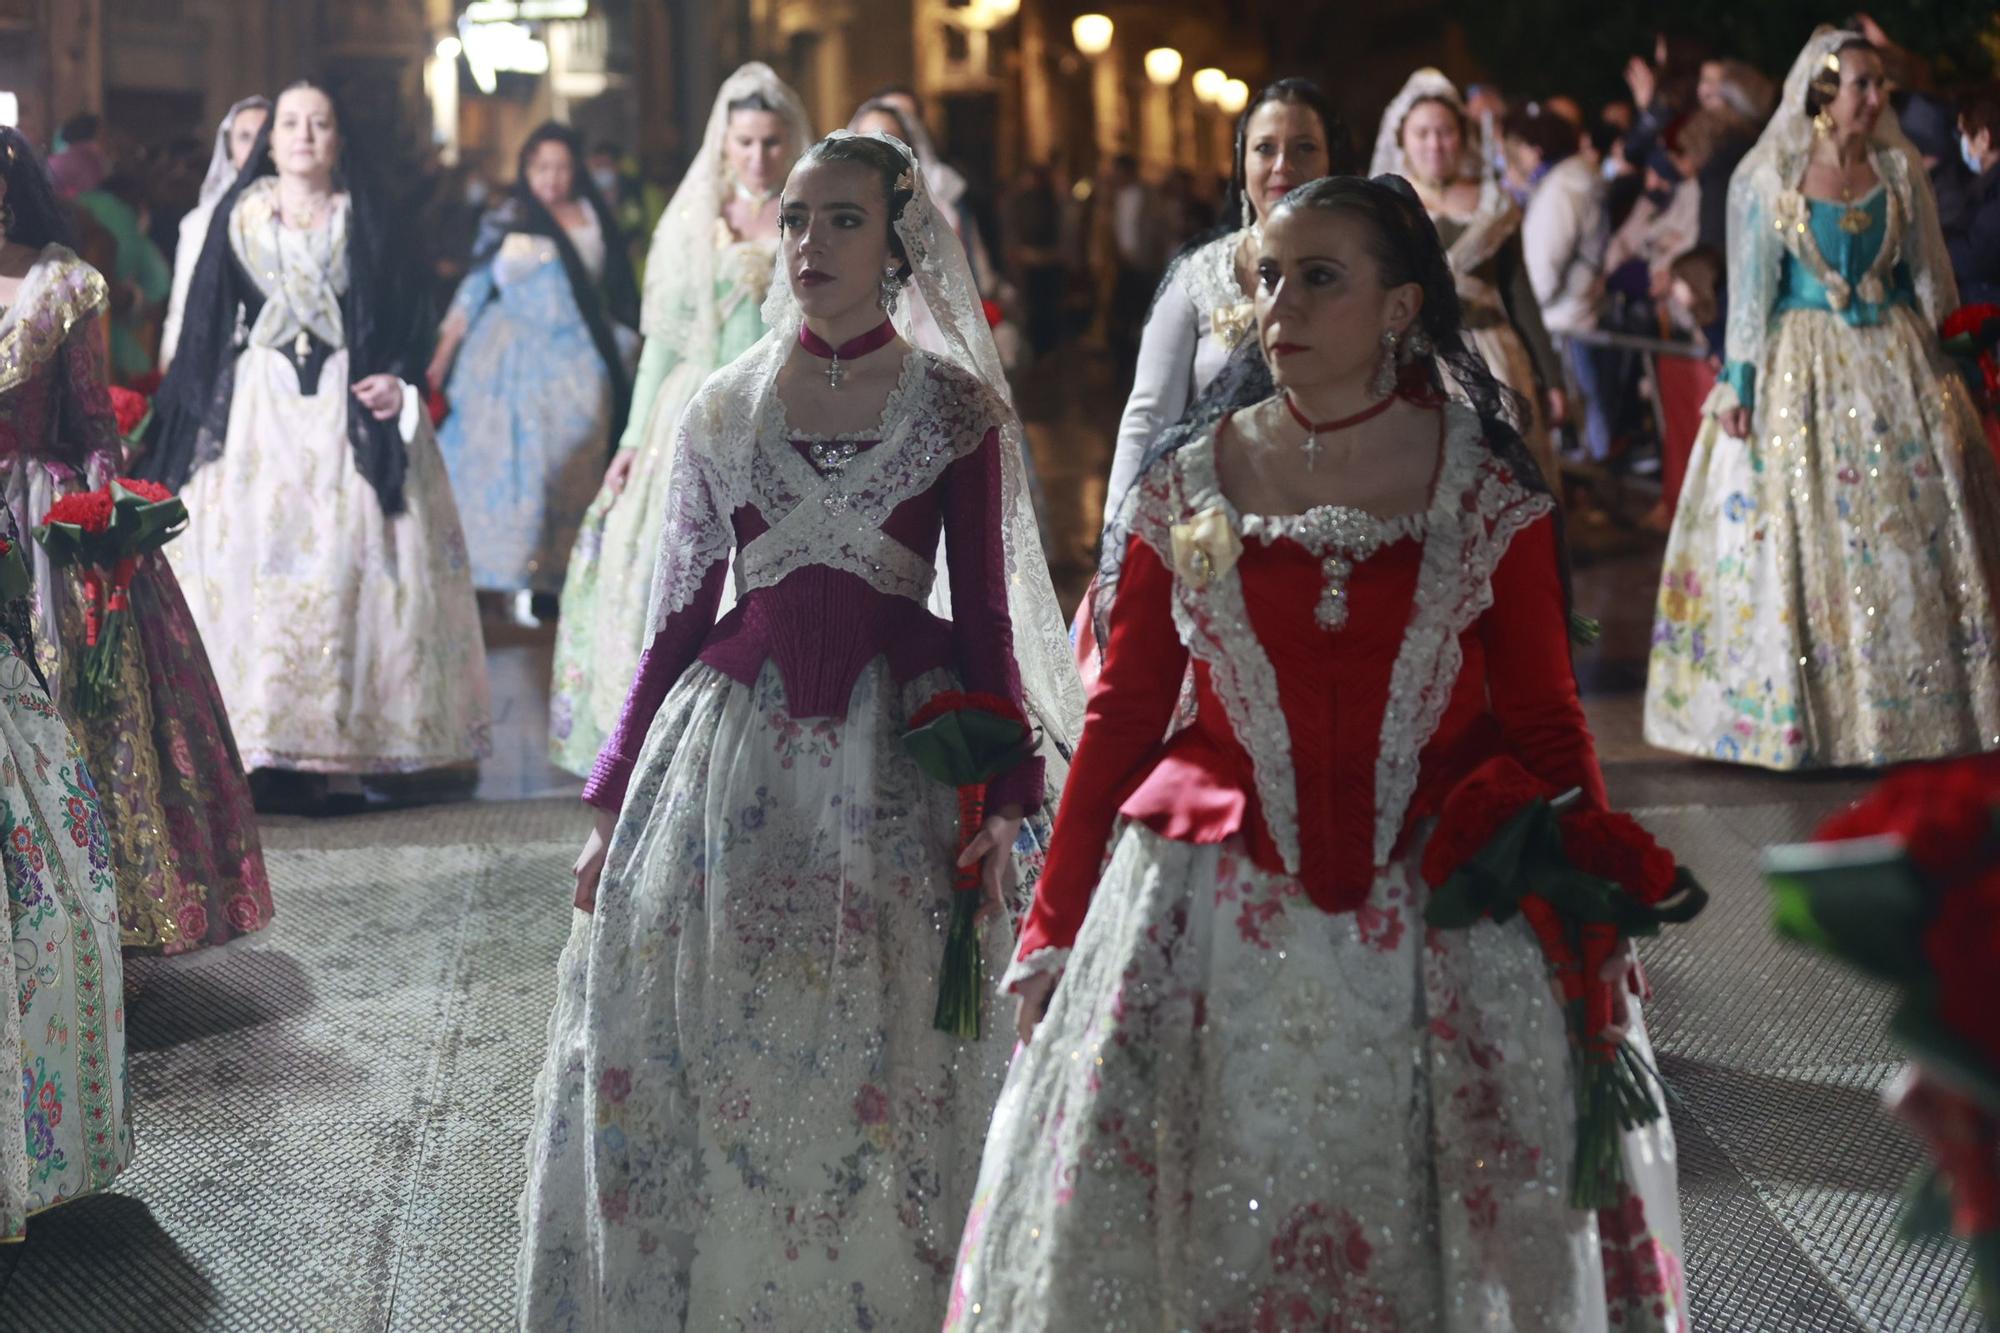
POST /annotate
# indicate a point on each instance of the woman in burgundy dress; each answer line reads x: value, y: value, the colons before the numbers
x: 746, y: 1117
x: 1266, y: 1095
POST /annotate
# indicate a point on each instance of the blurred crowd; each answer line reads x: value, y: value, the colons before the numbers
x: 1624, y: 232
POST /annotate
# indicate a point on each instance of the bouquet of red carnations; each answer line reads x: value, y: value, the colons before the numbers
x: 1586, y: 881
x: 105, y: 534
x: 133, y: 411
x: 1904, y: 886
x: 965, y: 741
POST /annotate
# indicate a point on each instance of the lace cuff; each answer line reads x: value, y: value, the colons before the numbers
x: 1050, y: 960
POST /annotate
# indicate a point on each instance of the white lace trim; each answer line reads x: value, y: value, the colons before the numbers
x: 1454, y: 586
x: 1209, y: 275
x: 1215, y: 625
x: 1463, y: 544
x: 934, y: 416
x: 1045, y: 960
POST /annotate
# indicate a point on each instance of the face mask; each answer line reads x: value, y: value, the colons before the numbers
x: 1965, y: 151
x: 475, y: 192
x: 606, y: 179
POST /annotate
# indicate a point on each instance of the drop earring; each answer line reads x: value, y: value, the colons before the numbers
x: 1387, y: 373
x: 892, y: 288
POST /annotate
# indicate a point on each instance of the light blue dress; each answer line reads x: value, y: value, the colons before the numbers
x: 528, y: 438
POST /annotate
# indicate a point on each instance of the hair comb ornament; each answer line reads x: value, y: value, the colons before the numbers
x: 906, y: 181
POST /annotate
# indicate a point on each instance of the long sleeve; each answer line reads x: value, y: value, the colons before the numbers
x: 1924, y: 251
x: 1129, y: 711
x: 1548, y: 237
x: 696, y: 549
x: 475, y: 289
x: 1162, y: 388
x: 87, y: 429
x: 655, y: 362
x: 672, y: 651
x: 982, y: 628
x: 1756, y: 261
x: 1531, y: 685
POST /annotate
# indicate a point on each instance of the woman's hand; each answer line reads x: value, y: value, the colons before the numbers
x: 1034, y: 994
x: 992, y: 848
x: 1643, y: 82
x: 1557, y: 403
x: 1627, y: 980
x: 619, y: 475
x: 1736, y: 423
x: 382, y: 395
x: 589, y: 867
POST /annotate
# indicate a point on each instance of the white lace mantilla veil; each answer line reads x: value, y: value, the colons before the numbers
x: 1478, y: 163
x: 679, y: 305
x: 221, y: 171
x: 726, y: 417
x: 1774, y: 169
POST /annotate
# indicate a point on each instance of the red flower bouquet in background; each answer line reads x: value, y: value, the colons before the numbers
x: 1586, y: 881
x: 1904, y: 886
x: 132, y: 410
x: 104, y: 534
x: 965, y: 741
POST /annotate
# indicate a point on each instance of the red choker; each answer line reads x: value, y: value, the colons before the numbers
x: 880, y: 336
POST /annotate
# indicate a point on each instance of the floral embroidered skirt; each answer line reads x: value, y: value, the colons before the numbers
x: 1243, y: 1112
x: 746, y: 1118
x: 189, y: 860
x: 344, y: 640
x: 607, y: 597
x: 62, y: 1027
x: 1828, y: 594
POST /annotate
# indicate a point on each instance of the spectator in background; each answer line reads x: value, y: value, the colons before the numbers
x: 1735, y: 100
x: 1663, y: 88
x: 1975, y: 249
x: 1932, y: 124
x: 1139, y: 251
x: 1563, y: 238
x: 1031, y: 228
x: 83, y: 171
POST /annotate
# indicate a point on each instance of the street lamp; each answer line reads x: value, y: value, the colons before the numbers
x: 1092, y: 33
x: 1163, y: 65
x: 1207, y: 83
x: 1235, y: 95
x: 985, y: 15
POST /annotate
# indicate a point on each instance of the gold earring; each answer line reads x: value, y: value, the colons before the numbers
x: 1822, y: 124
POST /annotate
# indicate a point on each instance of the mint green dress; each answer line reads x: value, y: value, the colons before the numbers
x: 607, y: 592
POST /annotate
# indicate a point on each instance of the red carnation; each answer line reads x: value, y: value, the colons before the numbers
x: 89, y: 510
x: 1614, y: 846
x: 1961, y: 942
x: 1943, y: 814
x: 130, y: 409
x: 991, y: 310
x: 1477, y: 809
x: 150, y: 491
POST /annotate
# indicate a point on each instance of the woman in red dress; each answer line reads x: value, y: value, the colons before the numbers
x: 1265, y: 1094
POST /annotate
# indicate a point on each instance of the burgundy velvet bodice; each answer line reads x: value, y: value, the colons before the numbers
x: 821, y: 626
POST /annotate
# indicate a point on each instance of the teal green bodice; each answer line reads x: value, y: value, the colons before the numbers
x: 1849, y: 254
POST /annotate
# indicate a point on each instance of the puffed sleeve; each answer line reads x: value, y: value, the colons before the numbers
x: 982, y: 629
x: 1162, y: 387
x: 1530, y: 683
x: 693, y: 563
x: 1127, y: 717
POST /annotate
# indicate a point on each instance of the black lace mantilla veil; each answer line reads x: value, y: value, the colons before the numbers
x: 603, y: 302
x: 385, y: 314
x: 1245, y: 379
